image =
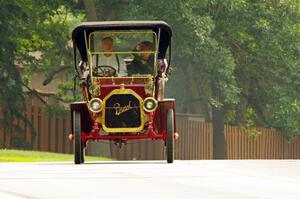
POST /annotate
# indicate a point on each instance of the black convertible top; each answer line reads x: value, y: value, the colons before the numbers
x: 89, y: 27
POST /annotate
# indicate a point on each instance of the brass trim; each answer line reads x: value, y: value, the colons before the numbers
x: 148, y: 80
x: 118, y: 130
x: 124, y: 52
x: 149, y: 87
x: 156, y: 104
x: 90, y: 53
x: 90, y: 102
x: 122, y: 86
x: 176, y: 135
x: 95, y: 89
x: 122, y: 32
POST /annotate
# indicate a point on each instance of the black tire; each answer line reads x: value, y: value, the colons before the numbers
x: 78, y: 146
x: 82, y: 153
x: 170, y: 136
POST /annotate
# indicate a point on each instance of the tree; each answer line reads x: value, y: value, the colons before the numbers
x: 15, y: 41
x: 243, y: 57
x: 233, y: 59
x: 90, y: 10
x: 25, y: 28
x: 204, y: 68
x: 265, y: 47
x: 237, y: 62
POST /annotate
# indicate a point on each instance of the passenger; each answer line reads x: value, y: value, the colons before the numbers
x: 84, y: 69
x: 143, y: 63
x: 109, y: 59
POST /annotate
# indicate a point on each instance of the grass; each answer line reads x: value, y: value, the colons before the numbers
x: 37, y: 156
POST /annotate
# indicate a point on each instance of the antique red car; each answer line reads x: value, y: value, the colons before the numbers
x: 122, y: 67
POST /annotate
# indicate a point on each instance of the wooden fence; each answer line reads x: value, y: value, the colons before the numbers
x: 51, y: 133
x: 195, y: 140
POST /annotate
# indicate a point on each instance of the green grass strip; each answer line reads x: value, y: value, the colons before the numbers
x: 38, y: 156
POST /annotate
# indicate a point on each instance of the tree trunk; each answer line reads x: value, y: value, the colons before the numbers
x: 111, y: 10
x: 90, y: 10
x: 219, y: 144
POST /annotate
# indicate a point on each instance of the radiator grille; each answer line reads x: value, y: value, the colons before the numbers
x: 122, y: 111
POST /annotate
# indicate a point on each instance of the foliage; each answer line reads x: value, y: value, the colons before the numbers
x: 240, y: 57
x: 17, y: 22
x: 265, y: 43
x: 33, y: 36
x: 57, y: 58
x: 201, y: 63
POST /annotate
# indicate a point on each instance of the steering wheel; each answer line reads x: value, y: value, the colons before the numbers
x: 105, y: 71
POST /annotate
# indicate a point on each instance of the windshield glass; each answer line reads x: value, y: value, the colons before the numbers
x: 122, y: 53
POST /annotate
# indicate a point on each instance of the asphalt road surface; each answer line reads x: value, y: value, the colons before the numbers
x: 241, y: 179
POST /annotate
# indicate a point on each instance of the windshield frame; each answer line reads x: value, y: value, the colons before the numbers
x: 133, y: 32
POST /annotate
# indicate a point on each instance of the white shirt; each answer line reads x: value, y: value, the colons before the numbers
x: 113, y: 62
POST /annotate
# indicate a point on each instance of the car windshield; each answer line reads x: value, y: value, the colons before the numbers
x: 122, y: 53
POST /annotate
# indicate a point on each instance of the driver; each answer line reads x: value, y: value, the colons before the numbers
x: 110, y: 59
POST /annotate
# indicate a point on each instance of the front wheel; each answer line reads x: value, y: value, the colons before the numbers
x: 78, y: 146
x: 170, y: 136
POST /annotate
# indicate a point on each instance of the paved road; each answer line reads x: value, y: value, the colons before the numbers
x: 243, y: 179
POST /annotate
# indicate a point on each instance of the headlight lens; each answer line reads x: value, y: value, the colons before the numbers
x: 95, y: 105
x: 150, y: 104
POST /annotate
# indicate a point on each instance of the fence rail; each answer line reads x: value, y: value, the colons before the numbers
x: 195, y: 140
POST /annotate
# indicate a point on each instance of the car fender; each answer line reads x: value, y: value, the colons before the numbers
x: 160, y: 119
x: 86, y: 121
